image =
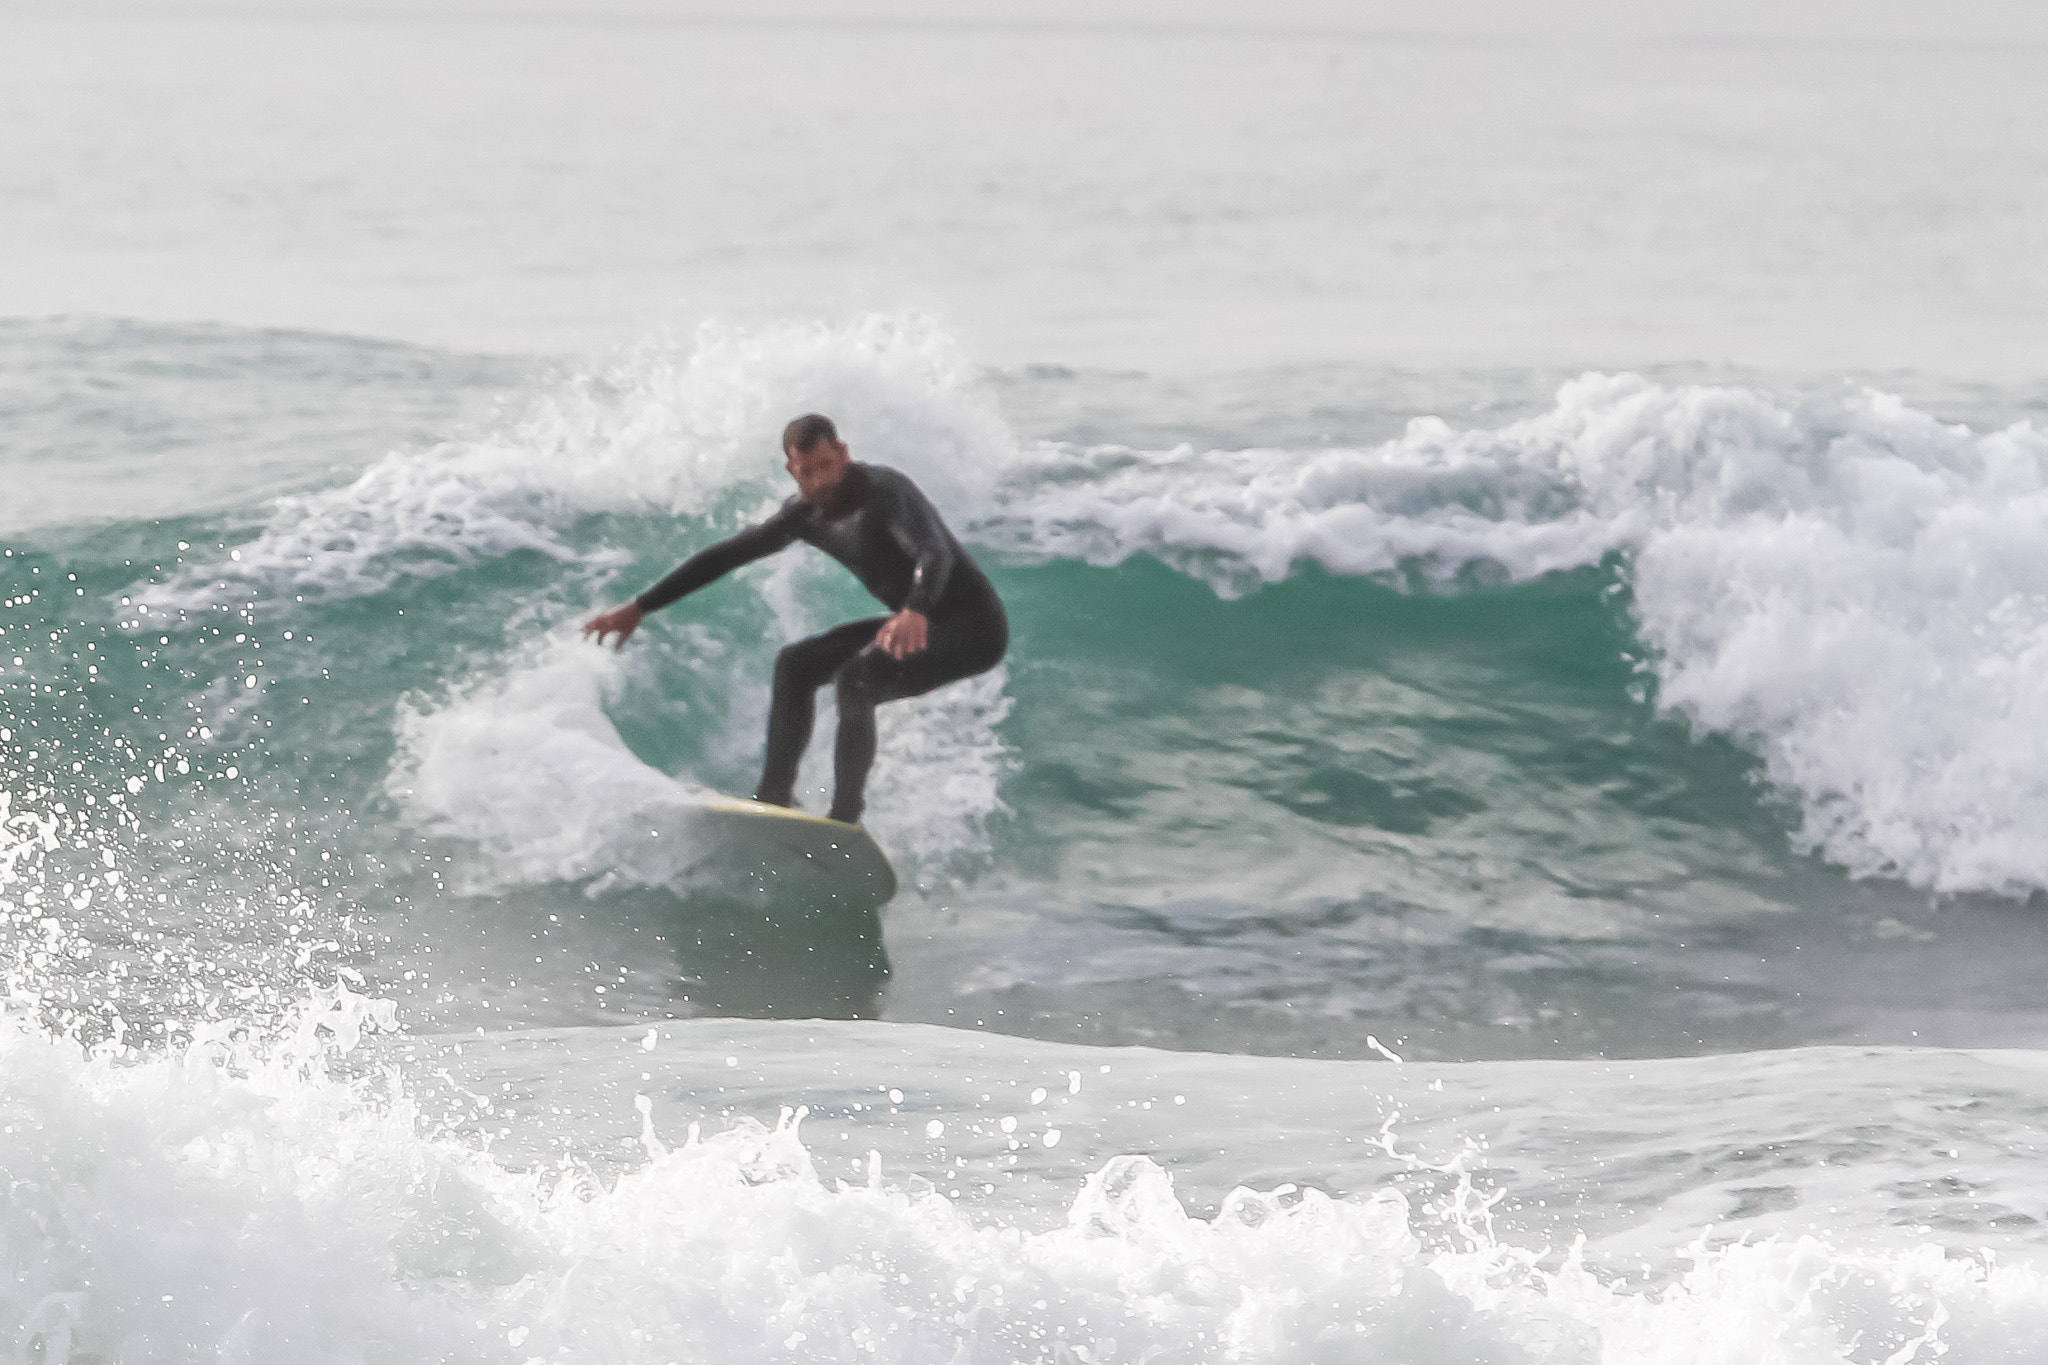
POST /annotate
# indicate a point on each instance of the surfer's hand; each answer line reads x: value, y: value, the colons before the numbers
x: 902, y: 635
x: 619, y: 621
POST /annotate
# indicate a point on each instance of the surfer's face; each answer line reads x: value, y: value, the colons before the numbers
x: 818, y: 470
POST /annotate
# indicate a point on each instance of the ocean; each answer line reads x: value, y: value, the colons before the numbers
x: 1510, y: 829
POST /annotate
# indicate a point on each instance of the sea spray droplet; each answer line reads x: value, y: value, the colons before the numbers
x: 1038, y: 1095
x: 934, y: 1129
x: 1052, y: 1137
x: 895, y: 1097
x: 647, y: 1043
x: 649, y: 1142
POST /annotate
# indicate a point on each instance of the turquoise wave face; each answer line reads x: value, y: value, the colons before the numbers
x: 1236, y: 788
x: 1274, y: 823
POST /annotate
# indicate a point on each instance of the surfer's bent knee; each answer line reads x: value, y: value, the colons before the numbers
x: 794, y: 666
x: 856, y: 677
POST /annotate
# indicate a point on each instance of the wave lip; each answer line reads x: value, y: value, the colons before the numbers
x: 1854, y: 597
x: 1437, y: 501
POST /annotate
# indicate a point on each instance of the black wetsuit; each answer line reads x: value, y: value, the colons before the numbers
x: 885, y: 530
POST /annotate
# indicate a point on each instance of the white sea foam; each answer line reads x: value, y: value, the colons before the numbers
x: 509, y: 764
x: 1864, y: 603
x: 1436, y: 501
x: 664, y: 431
x: 938, y: 772
x: 242, y: 1204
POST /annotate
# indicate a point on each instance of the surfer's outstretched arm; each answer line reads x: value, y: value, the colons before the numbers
x: 706, y: 566
x: 714, y: 562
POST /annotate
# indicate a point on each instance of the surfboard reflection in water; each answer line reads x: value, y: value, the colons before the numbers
x: 782, y: 917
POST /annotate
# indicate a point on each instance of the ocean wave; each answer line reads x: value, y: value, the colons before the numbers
x: 1849, y: 588
x: 244, y: 1202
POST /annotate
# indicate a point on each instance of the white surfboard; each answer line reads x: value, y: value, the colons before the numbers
x: 787, y: 853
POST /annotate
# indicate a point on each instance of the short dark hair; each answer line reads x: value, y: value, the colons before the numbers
x: 807, y: 430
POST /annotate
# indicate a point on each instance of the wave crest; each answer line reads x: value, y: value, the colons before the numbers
x: 1854, y: 591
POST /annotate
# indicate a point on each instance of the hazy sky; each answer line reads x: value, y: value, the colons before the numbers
x: 1835, y: 20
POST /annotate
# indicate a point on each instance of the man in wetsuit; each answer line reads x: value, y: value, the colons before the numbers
x: 947, y: 623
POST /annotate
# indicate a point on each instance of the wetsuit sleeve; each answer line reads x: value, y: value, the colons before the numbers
x: 716, y: 561
x: 915, y: 526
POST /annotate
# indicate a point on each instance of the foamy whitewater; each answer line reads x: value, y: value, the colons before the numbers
x: 1510, y: 829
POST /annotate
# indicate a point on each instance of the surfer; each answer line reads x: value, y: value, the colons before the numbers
x: 946, y: 622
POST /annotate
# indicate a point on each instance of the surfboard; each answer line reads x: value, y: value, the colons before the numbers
x: 808, y: 855
x: 782, y: 916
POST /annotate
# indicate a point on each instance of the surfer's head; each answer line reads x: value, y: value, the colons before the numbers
x: 815, y: 457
